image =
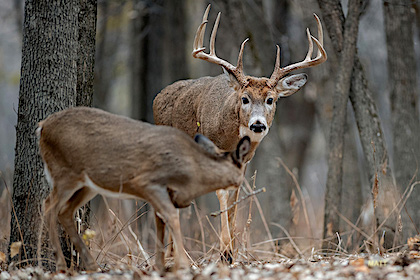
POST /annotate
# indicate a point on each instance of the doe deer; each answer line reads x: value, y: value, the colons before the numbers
x: 88, y: 152
x: 232, y: 105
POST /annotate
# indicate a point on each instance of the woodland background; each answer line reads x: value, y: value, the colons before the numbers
x: 143, y: 46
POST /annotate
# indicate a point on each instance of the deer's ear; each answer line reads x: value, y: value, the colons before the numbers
x: 233, y: 82
x: 242, y: 149
x: 206, y: 144
x: 290, y: 84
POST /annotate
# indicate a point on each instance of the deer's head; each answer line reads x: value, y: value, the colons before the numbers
x: 257, y: 96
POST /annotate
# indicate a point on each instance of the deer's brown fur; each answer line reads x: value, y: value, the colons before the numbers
x: 88, y: 152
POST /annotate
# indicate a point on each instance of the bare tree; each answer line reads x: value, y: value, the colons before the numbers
x: 369, y: 127
x: 342, y: 89
x: 157, y: 45
x: 399, y: 23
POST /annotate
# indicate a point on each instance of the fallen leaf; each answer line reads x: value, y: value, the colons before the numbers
x: 413, y: 243
x: 329, y: 229
x: 375, y: 191
x: 294, y: 205
x: 357, y: 262
x: 2, y: 257
x: 15, y: 248
x: 88, y: 235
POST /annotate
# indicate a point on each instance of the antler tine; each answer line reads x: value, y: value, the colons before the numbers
x: 307, y: 62
x: 311, y: 45
x: 198, y: 49
x: 239, y: 65
x: 198, y: 40
x: 320, y: 33
x: 277, y: 65
x: 199, y: 35
x: 206, y: 13
x: 213, y: 35
x: 322, y: 54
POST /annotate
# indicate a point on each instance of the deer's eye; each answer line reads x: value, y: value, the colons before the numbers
x: 245, y: 100
x: 270, y: 101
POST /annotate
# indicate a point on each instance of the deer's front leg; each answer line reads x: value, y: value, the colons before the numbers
x: 166, y: 211
x: 160, y: 234
x: 225, y: 237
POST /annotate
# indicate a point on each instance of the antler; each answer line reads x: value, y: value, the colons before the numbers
x: 307, y: 62
x: 198, y: 49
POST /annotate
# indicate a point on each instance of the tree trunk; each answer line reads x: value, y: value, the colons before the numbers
x: 368, y: 123
x: 57, y: 73
x: 86, y: 52
x: 158, y: 44
x: 151, y: 68
x: 335, y: 159
x: 48, y: 84
x: 399, y: 23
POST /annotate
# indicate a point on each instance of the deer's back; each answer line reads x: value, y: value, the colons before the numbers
x: 113, y: 149
x: 195, y: 106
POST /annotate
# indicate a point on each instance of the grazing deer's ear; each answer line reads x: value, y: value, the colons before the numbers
x: 242, y: 149
x: 233, y: 82
x: 206, y: 143
x: 290, y: 84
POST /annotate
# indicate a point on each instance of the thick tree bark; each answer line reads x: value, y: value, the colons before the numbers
x: 151, y: 67
x: 174, y: 42
x: 105, y: 55
x: 158, y: 44
x: 57, y: 73
x: 368, y: 123
x: 48, y: 84
x: 399, y: 23
x: 86, y: 52
x: 335, y: 159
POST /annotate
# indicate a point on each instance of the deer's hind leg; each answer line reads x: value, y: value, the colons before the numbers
x: 66, y: 217
x: 51, y: 212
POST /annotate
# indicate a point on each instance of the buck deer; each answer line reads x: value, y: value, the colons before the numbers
x: 88, y: 152
x: 232, y: 105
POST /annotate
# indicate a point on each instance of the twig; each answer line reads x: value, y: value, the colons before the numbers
x: 403, y: 200
x: 295, y: 181
x: 143, y: 252
x: 351, y: 224
x: 217, y: 213
x: 201, y: 227
x: 290, y: 238
x: 257, y: 202
x: 16, y: 217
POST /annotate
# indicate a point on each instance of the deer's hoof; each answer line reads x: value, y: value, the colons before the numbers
x: 227, y: 257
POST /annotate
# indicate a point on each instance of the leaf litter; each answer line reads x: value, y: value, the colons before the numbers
x: 362, y: 266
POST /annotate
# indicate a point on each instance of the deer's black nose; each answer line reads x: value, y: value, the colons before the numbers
x: 258, y: 127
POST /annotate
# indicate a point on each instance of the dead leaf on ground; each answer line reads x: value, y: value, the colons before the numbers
x: 2, y: 257
x: 294, y: 205
x: 414, y: 243
x: 375, y: 191
x: 357, y: 262
x: 329, y: 229
x: 15, y: 248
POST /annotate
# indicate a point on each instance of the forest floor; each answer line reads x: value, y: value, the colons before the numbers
x: 392, y: 266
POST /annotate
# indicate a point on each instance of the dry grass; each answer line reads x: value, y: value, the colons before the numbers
x: 126, y: 238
